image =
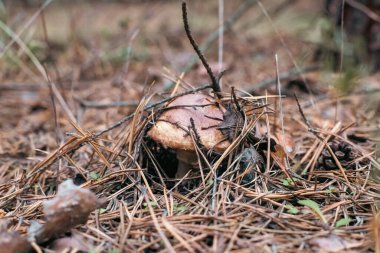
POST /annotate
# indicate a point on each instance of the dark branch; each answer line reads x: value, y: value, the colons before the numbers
x: 214, y: 82
x: 310, y: 128
x: 301, y: 112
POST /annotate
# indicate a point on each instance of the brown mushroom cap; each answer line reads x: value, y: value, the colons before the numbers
x: 171, y: 128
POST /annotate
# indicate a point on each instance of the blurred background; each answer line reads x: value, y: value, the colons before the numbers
x: 103, y: 52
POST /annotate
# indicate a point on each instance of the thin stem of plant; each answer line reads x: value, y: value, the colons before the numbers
x: 281, y: 111
x: 342, y: 37
x: 220, y: 41
x: 214, y: 81
x: 244, y: 7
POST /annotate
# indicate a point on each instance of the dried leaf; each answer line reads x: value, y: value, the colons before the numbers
x: 287, y: 142
x: 279, y: 156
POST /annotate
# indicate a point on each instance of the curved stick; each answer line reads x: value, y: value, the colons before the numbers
x: 214, y: 81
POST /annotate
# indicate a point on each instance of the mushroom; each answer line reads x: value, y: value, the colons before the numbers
x: 172, y: 128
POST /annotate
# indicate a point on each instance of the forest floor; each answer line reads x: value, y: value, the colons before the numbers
x: 70, y: 72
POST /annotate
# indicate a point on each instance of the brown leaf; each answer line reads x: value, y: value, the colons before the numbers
x: 2, y: 213
x: 279, y: 156
x: 286, y: 141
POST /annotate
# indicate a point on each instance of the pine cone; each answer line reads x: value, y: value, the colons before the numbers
x: 343, y: 153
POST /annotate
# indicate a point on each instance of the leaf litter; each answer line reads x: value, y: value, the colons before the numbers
x: 265, y: 191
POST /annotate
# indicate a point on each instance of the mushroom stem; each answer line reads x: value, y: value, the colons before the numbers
x: 186, y: 161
